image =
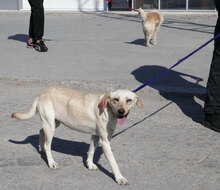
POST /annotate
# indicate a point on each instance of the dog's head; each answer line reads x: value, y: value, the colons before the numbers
x: 121, y: 101
x: 142, y: 13
x: 139, y: 11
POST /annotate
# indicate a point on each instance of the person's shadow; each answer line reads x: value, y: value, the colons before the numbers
x: 22, y: 38
x: 19, y: 37
x: 173, y: 86
x: 67, y: 147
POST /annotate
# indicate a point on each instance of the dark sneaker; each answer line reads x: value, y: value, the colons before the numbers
x: 30, y: 44
x: 40, y: 46
x: 210, y: 126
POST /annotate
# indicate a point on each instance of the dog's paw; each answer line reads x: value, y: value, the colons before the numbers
x: 122, y: 181
x: 92, y: 167
x: 148, y: 45
x: 54, y: 165
x: 154, y: 43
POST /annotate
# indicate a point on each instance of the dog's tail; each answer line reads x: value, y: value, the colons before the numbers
x: 26, y: 115
x: 142, y: 13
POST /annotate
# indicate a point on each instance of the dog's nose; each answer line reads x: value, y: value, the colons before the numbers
x: 121, y: 111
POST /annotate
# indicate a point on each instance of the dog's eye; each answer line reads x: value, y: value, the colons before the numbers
x: 129, y: 100
x: 116, y: 99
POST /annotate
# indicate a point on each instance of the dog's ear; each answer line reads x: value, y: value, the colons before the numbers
x: 138, y: 102
x: 104, y: 101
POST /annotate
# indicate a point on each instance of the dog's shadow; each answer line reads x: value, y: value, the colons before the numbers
x: 67, y: 147
x: 140, y: 42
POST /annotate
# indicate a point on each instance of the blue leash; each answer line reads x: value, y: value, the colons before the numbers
x: 180, y: 61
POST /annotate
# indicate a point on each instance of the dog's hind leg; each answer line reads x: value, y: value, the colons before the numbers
x: 47, y: 115
x: 49, y: 128
x: 41, y: 140
x: 149, y: 36
x: 155, y: 35
x: 145, y: 38
x: 93, y: 145
x: 42, y: 137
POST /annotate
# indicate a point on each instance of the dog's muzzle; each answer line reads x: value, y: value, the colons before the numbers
x: 121, y: 116
x: 121, y: 113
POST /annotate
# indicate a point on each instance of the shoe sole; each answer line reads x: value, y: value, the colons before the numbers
x: 30, y: 47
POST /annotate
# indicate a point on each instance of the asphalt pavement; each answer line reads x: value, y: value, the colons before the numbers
x: 163, y: 146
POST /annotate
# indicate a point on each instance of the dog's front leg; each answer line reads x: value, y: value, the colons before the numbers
x: 93, y: 145
x: 111, y: 159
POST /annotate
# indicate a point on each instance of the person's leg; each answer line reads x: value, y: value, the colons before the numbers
x: 30, y: 42
x: 31, y: 32
x: 36, y: 29
x: 37, y: 25
x: 39, y: 28
x: 212, y: 102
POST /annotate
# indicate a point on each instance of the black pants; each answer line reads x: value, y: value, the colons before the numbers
x: 212, y: 103
x: 36, y: 27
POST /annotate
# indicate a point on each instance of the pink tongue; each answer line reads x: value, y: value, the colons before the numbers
x: 121, y: 121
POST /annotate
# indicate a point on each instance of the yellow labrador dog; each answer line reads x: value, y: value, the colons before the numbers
x: 151, y: 22
x: 88, y: 113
